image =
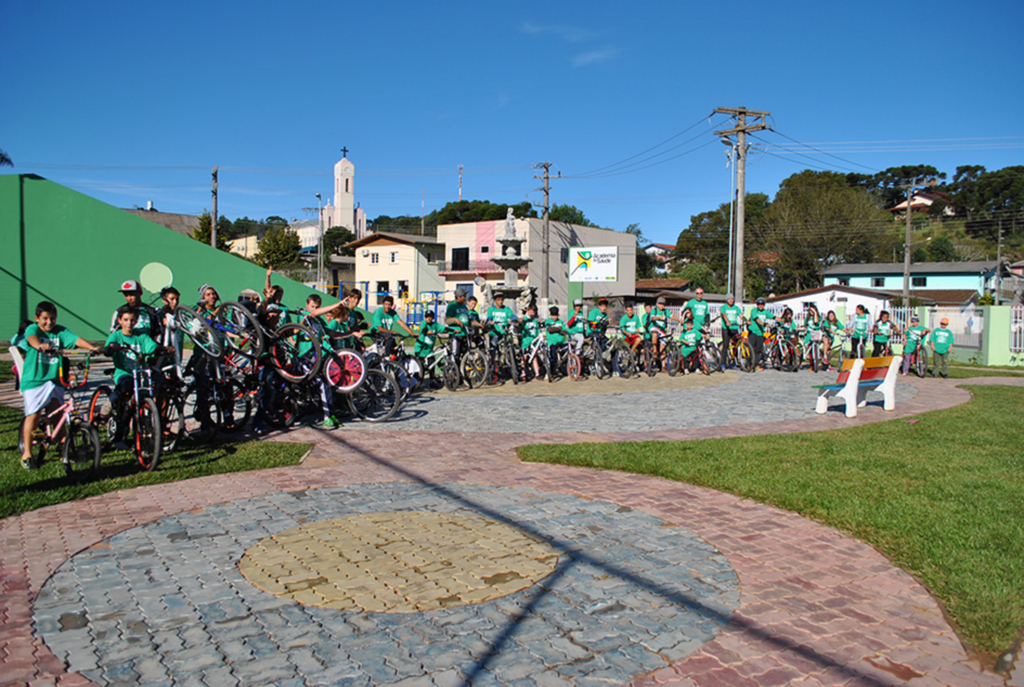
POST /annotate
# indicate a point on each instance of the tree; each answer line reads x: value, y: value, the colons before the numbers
x: 706, y: 240
x: 335, y: 239
x: 817, y: 220
x: 481, y: 211
x: 279, y: 248
x: 941, y: 249
x: 569, y: 214
x: 202, y: 232
x: 5, y: 160
x: 646, y: 264
x: 699, y: 275
x: 889, y: 185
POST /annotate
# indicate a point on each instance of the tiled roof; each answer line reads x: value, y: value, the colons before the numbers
x: 917, y: 268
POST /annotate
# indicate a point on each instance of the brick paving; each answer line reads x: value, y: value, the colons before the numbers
x: 815, y: 606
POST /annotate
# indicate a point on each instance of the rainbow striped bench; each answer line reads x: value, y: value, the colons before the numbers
x: 856, y: 378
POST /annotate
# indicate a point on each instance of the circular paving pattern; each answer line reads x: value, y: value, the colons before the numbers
x: 398, y: 562
x: 619, y: 593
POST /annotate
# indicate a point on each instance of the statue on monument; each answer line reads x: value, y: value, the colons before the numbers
x: 510, y: 225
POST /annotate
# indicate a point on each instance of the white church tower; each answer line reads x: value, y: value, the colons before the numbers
x: 343, y: 212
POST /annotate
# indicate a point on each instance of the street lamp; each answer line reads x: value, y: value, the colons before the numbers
x: 319, y: 240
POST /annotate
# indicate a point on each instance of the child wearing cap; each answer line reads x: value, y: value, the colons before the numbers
x: 426, y: 342
x: 941, y: 341
x: 913, y: 338
x: 597, y: 324
x: 148, y: 323
x: 576, y: 325
x: 760, y: 316
x: 554, y: 329
x: 530, y: 332
x: 657, y: 326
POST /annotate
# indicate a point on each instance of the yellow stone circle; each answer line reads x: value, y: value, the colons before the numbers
x: 398, y: 562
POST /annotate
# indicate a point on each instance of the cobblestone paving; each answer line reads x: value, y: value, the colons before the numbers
x: 736, y: 399
x: 165, y: 602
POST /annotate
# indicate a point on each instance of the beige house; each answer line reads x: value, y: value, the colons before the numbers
x: 469, y: 249
x: 402, y: 265
x: 246, y: 246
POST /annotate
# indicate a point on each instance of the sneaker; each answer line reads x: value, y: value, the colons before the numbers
x: 331, y: 423
x: 29, y: 464
x: 260, y: 430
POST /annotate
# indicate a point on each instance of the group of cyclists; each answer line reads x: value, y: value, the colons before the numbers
x: 255, y: 357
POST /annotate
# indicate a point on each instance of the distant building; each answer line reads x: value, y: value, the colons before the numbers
x: 927, y: 279
x: 402, y: 265
x: 246, y: 246
x: 662, y: 254
x: 469, y: 249
x: 182, y: 224
x: 922, y: 203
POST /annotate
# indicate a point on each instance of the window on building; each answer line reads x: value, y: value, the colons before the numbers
x: 460, y: 259
x: 394, y: 256
x: 878, y: 282
x: 403, y: 288
x: 374, y: 258
x: 564, y: 255
x: 383, y: 289
x: 919, y: 281
x: 844, y: 281
x: 430, y: 258
x: 485, y: 249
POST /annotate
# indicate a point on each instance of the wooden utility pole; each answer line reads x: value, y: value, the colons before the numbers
x: 460, y: 183
x: 545, y: 292
x: 906, y: 248
x: 213, y: 217
x: 741, y: 129
x: 999, y: 266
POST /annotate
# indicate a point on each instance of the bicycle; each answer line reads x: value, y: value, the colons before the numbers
x: 64, y: 426
x: 537, y: 350
x: 624, y: 362
x: 138, y: 414
x: 739, y: 352
x: 815, y: 353
x: 919, y: 360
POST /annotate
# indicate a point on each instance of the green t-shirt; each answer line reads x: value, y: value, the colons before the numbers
x: 41, y: 367
x: 339, y: 327
x: 830, y: 328
x: 884, y: 331
x: 914, y: 336
x: 689, y: 340
x: 460, y: 312
x: 630, y: 325
x: 861, y: 325
x: 731, y: 316
x: 554, y: 338
x: 645, y: 324
x: 474, y: 316
x: 576, y: 324
x: 659, y: 320
x: 427, y: 339
x: 759, y: 319
x: 531, y: 330
x: 942, y: 340
x: 700, y: 311
x: 385, y: 320
x: 597, y: 320
x: 500, y: 317
x: 127, y: 359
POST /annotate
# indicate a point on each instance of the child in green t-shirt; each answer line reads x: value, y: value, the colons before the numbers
x: 43, y: 342
x: 913, y: 340
x: 530, y: 332
x: 554, y: 330
x: 883, y: 331
x: 125, y: 346
x: 426, y: 342
x: 689, y: 339
x: 941, y: 342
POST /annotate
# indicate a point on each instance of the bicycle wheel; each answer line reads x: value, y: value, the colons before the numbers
x: 625, y: 362
x: 286, y: 408
x: 400, y: 375
x: 574, y: 366
x: 345, y: 370
x: 671, y: 360
x: 377, y: 399
x: 786, y: 357
x: 200, y: 417
x: 745, y: 356
x: 80, y: 451
x: 511, y: 361
x: 239, y: 330
x: 295, y: 352
x: 197, y: 329
x: 649, y: 365
x: 920, y: 364
x: 703, y: 361
x: 474, y: 368
x: 172, y: 423
x: 452, y: 376
x: 147, y: 434
x: 713, y: 358
x: 236, y: 405
x: 105, y: 430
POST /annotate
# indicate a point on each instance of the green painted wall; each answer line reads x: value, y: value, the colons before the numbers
x: 62, y: 246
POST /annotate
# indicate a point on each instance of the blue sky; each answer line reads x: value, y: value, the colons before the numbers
x: 131, y: 102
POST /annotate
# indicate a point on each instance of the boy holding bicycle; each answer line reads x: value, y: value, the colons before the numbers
x: 44, y: 342
x: 125, y: 346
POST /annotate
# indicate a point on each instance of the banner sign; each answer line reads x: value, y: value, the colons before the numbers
x: 594, y: 264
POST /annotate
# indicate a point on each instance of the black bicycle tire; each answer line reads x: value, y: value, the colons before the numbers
x: 279, y: 350
x: 193, y: 427
x: 251, y: 326
x: 190, y: 322
x: 476, y: 379
x: 452, y: 375
x: 172, y: 424
x: 921, y: 364
x: 80, y: 451
x: 374, y: 378
x: 148, y: 435
x: 511, y: 355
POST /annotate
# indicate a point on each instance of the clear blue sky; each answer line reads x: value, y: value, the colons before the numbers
x: 109, y: 97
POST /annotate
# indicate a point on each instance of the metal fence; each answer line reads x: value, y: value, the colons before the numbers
x: 1017, y: 328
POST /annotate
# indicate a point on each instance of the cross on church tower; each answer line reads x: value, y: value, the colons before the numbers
x: 344, y: 152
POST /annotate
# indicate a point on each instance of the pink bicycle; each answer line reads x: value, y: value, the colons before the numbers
x: 65, y: 427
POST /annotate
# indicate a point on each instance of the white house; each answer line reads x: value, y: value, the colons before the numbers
x: 402, y: 265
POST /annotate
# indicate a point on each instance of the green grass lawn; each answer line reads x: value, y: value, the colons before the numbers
x: 21, y: 490
x: 942, y: 497
x: 967, y: 373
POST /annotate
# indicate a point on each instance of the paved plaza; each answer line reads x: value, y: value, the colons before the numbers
x: 422, y: 552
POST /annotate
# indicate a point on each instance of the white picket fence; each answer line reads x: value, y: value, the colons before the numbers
x: 1017, y: 329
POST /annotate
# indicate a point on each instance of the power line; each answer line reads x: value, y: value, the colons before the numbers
x: 856, y: 164
x: 653, y: 164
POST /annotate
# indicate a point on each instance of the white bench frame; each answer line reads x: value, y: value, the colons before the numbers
x: 854, y: 392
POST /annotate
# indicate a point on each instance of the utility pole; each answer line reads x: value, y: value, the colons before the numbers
x: 999, y: 265
x: 906, y: 249
x: 213, y: 217
x: 547, y: 221
x: 423, y: 207
x: 741, y: 129
x: 460, y: 183
x: 320, y: 239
